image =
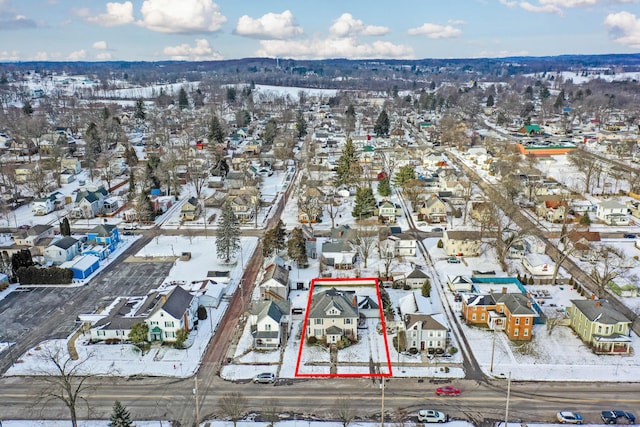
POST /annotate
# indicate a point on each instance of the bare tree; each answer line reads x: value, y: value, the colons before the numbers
x: 587, y: 165
x: 66, y: 380
x: 365, y: 239
x: 271, y: 411
x: 343, y: 410
x: 38, y: 181
x: 310, y: 206
x: 608, y: 266
x: 233, y: 406
x: 334, y: 209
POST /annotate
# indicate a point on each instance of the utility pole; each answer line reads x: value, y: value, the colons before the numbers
x: 506, y: 413
x: 195, y: 392
x: 382, y: 409
x: 493, y: 349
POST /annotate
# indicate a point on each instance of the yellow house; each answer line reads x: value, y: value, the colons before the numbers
x: 600, y: 326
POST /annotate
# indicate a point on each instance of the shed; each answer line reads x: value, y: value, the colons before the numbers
x: 82, y: 266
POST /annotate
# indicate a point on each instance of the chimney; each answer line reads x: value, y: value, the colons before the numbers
x: 355, y: 301
x: 529, y: 304
x: 598, y: 303
x: 163, y: 298
x: 504, y: 289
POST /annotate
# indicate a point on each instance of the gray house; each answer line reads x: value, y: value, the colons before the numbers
x: 333, y: 314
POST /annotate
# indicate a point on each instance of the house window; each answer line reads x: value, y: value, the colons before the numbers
x: 347, y: 321
x: 317, y: 332
x: 267, y: 327
x: 317, y: 321
x: 515, y: 332
x: 517, y: 320
x: 482, y: 317
x: 526, y: 320
x: 526, y: 332
x: 101, y: 333
x: 473, y: 317
x: 117, y: 333
x: 168, y: 324
x: 619, y: 327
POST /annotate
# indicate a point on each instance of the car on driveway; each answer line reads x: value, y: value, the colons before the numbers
x: 453, y: 260
x: 448, y: 390
x: 265, y: 378
x: 629, y: 236
x: 568, y: 417
x: 431, y: 416
x: 617, y: 416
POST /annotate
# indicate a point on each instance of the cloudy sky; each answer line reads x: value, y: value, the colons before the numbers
x: 153, y: 30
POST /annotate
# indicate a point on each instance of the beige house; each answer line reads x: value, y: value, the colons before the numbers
x: 433, y: 210
x: 190, y: 210
x: 462, y: 243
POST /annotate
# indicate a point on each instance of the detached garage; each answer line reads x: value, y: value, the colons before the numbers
x: 82, y: 266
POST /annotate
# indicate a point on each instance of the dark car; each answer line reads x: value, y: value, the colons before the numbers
x: 618, y: 417
x: 629, y: 236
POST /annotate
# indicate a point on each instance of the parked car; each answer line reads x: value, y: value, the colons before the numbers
x: 264, y: 378
x: 629, y: 236
x: 437, y: 230
x: 431, y: 416
x: 568, y: 417
x: 448, y: 390
x: 453, y: 260
x: 617, y: 416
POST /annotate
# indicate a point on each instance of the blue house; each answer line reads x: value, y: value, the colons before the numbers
x: 104, y: 235
x: 82, y: 266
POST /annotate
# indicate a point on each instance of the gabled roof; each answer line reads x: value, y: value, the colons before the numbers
x: 599, y: 311
x: 417, y: 274
x: 427, y: 322
x: 273, y: 309
x: 517, y: 303
x: 322, y: 301
x: 103, y: 230
x: 178, y: 300
x: 278, y: 273
x: 38, y: 229
x: 367, y: 303
x: 65, y: 243
x: 463, y: 235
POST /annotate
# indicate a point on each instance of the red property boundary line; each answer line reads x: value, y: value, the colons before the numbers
x: 338, y: 282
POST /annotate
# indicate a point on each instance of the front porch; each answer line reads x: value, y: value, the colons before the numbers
x: 617, y: 344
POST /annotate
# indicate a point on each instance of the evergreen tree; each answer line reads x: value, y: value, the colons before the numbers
x: 365, y: 203
x: 139, y: 335
x: 279, y: 236
x: 65, y: 227
x: 216, y: 133
x: 426, y: 288
x: 301, y: 125
x: 270, y: 131
x: 381, y: 128
x: 140, y: 113
x: 232, y: 94
x: 350, y: 119
x: 346, y: 170
x: 228, y: 239
x: 243, y: 118
x: 132, y: 186
x: 406, y: 174
x: 144, y: 208
x: 296, y: 247
x: 183, y: 99
x: 27, y: 109
x: 120, y: 416
x: 130, y: 157
x: 384, y: 187
x: 490, y: 101
x: 268, y: 247
x: 544, y: 93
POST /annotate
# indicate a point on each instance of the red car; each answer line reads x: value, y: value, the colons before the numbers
x: 447, y: 391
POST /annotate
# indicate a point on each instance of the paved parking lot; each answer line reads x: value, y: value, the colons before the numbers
x: 36, y: 314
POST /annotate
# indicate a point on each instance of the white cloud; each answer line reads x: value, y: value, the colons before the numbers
x: 117, y: 14
x: 435, y: 31
x: 269, y: 26
x: 347, y: 26
x: 200, y: 52
x: 78, y: 55
x: 100, y: 45
x: 569, y: 3
x: 456, y: 22
x: 333, y: 48
x: 9, y: 55
x: 547, y: 8
x: 46, y: 56
x: 509, y: 3
x: 103, y: 56
x: 184, y: 16
x: 624, y: 28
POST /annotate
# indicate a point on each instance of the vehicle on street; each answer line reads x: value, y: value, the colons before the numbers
x: 568, y: 417
x: 437, y: 230
x: 431, y: 416
x: 448, y: 390
x: 264, y: 378
x: 618, y: 416
x: 453, y: 260
x: 629, y: 236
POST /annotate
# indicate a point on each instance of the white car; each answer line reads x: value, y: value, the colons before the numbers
x: 431, y: 416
